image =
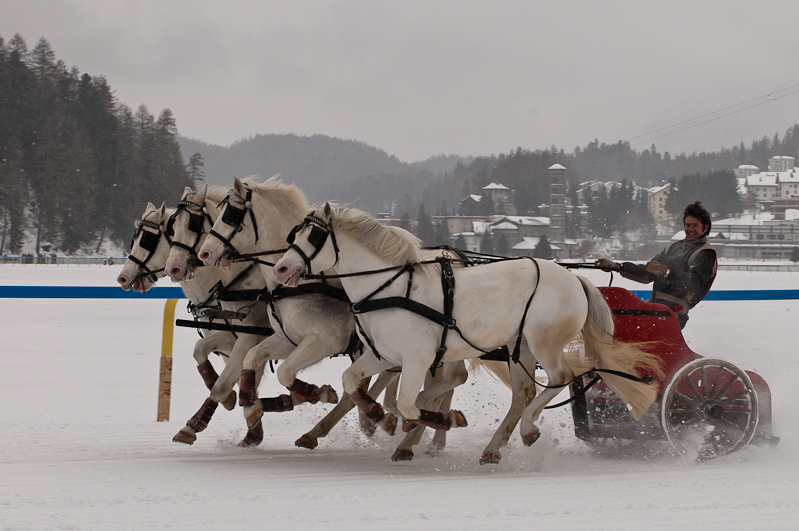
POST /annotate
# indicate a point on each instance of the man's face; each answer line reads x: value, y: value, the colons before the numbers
x: 694, y: 228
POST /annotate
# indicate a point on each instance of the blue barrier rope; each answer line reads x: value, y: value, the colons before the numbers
x: 113, y: 292
x: 86, y: 292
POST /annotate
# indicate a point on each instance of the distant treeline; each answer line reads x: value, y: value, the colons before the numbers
x: 76, y: 166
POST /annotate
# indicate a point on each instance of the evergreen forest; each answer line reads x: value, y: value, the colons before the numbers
x: 77, y: 167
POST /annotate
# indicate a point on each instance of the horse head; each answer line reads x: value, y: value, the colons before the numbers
x: 252, y: 218
x: 312, y: 247
x: 149, y: 251
x: 188, y: 227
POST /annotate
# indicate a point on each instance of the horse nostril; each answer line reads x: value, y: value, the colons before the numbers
x: 281, y: 270
x: 204, y: 256
x: 122, y: 280
x: 175, y: 271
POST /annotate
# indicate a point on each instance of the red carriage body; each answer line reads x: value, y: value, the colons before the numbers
x: 708, y: 404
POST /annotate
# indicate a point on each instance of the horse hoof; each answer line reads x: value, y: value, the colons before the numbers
x: 389, y: 424
x: 185, y: 436
x: 457, y: 418
x: 306, y: 441
x: 528, y: 440
x: 328, y: 395
x: 408, y: 425
x: 253, y: 438
x: 402, y: 455
x: 230, y: 401
x: 490, y: 458
x: 369, y: 429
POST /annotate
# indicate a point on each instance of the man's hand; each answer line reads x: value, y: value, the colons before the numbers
x: 656, y: 268
x: 606, y: 265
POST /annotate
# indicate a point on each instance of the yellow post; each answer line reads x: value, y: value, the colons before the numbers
x: 165, y: 380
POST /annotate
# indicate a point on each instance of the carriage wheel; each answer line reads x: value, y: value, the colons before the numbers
x: 709, y: 407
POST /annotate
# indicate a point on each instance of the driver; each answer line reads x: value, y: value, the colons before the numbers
x: 682, y: 272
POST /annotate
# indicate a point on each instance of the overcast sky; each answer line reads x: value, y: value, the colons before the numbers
x: 421, y: 78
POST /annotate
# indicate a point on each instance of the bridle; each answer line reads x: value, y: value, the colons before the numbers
x: 149, y: 242
x: 196, y: 226
x: 234, y: 217
x: 317, y: 238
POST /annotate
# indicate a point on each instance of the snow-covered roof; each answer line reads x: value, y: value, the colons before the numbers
x: 557, y: 167
x: 527, y: 220
x: 476, y: 198
x: 768, y: 178
x: 495, y: 186
x: 505, y: 225
x: 748, y: 167
x: 529, y: 243
x: 657, y: 189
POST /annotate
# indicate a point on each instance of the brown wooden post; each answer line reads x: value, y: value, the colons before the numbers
x: 165, y: 375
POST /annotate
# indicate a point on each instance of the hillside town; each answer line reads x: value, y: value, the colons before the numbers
x: 767, y: 229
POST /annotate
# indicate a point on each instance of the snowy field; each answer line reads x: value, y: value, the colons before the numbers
x: 80, y: 447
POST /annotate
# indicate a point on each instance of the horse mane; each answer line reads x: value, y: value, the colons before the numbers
x: 216, y: 194
x: 287, y: 198
x: 393, y: 244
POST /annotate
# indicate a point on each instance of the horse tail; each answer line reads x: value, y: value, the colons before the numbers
x: 606, y: 353
x: 497, y: 369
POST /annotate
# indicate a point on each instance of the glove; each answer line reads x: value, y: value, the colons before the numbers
x: 656, y: 268
x: 606, y: 265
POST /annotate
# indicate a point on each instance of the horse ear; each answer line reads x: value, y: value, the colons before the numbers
x: 186, y: 192
x: 200, y: 196
x: 238, y: 187
x: 162, y: 210
x: 327, y: 210
x: 150, y: 207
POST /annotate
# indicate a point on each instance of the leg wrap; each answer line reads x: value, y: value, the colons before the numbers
x: 306, y: 391
x: 201, y: 419
x: 372, y: 409
x: 208, y: 373
x: 279, y: 404
x: 247, y: 388
x: 435, y: 419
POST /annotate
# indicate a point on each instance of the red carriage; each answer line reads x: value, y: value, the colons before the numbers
x: 703, y: 404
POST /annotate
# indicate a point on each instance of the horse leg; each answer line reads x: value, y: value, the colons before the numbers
x: 439, y: 440
x: 365, y: 367
x: 558, y: 374
x: 272, y: 347
x: 523, y: 392
x: 311, y: 350
x: 449, y: 376
x: 311, y: 439
x: 216, y: 341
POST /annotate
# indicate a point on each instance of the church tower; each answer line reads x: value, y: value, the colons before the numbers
x: 557, y: 203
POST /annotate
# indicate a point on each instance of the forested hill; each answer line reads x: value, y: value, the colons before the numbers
x: 325, y: 168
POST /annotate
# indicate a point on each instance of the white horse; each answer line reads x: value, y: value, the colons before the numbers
x: 308, y: 328
x: 243, y: 284
x: 505, y: 303
x: 150, y: 249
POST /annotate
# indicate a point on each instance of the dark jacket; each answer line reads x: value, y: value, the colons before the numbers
x: 692, y: 269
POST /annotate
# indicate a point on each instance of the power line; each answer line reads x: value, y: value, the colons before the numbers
x: 772, y: 96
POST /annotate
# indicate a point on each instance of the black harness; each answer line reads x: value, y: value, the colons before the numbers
x: 198, y: 215
x: 149, y: 242
x: 317, y: 239
x: 234, y: 217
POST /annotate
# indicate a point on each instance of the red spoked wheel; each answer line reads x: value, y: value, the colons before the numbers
x: 709, y: 407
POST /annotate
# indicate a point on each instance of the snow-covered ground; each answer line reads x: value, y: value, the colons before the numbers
x: 80, y: 447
